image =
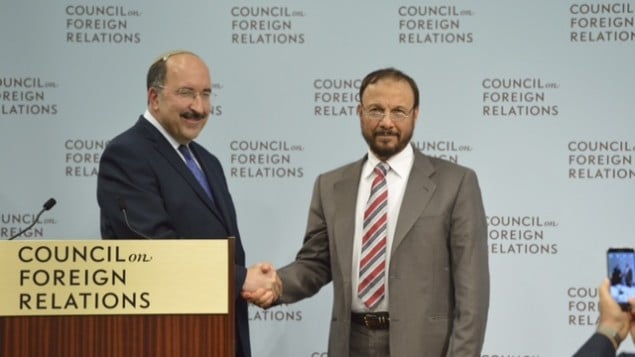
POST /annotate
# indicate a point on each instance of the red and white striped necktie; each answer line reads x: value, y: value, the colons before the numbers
x: 372, y: 263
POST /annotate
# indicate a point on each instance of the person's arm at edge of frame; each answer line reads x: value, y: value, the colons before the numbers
x: 613, y: 328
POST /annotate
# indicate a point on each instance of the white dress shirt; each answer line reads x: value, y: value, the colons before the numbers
x: 396, y: 179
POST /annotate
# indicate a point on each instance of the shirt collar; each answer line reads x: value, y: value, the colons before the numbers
x: 400, y: 164
x: 175, y: 144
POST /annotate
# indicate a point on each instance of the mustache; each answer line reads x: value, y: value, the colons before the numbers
x: 385, y: 132
x: 193, y: 115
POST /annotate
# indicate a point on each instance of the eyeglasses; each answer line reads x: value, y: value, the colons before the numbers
x: 190, y: 94
x: 394, y: 115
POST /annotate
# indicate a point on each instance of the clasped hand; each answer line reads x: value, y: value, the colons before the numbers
x: 262, y: 286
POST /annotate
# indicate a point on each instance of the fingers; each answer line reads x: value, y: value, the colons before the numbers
x: 261, y: 297
x: 605, y: 293
x: 265, y: 300
x: 262, y: 286
x: 252, y: 295
x: 608, y: 305
x: 611, y: 314
x: 266, y: 267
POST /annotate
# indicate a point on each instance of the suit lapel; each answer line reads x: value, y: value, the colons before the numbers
x: 214, y: 181
x: 345, y: 195
x: 167, y: 151
x: 419, y: 190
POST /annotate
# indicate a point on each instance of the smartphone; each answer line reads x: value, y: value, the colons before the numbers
x: 620, y: 265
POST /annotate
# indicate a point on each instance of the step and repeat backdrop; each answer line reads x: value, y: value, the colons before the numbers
x: 536, y: 96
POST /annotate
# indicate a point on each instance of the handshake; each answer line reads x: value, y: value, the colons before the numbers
x: 262, y: 285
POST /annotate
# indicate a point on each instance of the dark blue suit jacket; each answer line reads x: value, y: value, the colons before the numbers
x: 164, y: 200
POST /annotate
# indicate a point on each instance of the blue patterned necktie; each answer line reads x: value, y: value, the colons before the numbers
x: 196, y: 171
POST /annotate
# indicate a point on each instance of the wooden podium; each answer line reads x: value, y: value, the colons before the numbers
x: 50, y: 316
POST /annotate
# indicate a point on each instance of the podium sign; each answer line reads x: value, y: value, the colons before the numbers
x: 113, y: 277
x: 117, y: 298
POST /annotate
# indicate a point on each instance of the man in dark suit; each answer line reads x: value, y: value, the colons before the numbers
x: 414, y: 280
x: 170, y: 186
x: 613, y: 328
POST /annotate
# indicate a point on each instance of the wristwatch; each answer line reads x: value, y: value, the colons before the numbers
x: 610, y: 333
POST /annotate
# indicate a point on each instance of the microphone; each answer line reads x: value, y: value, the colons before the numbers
x: 124, y: 210
x: 47, y: 206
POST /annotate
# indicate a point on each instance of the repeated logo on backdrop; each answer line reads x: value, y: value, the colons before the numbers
x: 266, y: 25
x: 261, y: 158
x: 602, y: 22
x: 582, y: 306
x: 81, y: 157
x: 601, y: 160
x: 335, y: 97
x: 11, y: 223
x: 217, y: 109
x: 446, y: 149
x: 275, y: 314
x: 101, y: 24
x: 510, y: 98
x: 521, y: 235
x: 26, y: 97
x: 430, y: 25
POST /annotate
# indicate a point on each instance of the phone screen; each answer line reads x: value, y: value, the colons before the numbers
x: 621, y: 262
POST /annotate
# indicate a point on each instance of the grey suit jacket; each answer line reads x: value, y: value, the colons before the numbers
x: 438, y: 282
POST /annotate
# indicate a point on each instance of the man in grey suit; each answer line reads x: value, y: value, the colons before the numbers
x: 410, y: 271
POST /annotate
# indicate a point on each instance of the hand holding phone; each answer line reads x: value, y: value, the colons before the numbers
x: 620, y: 265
